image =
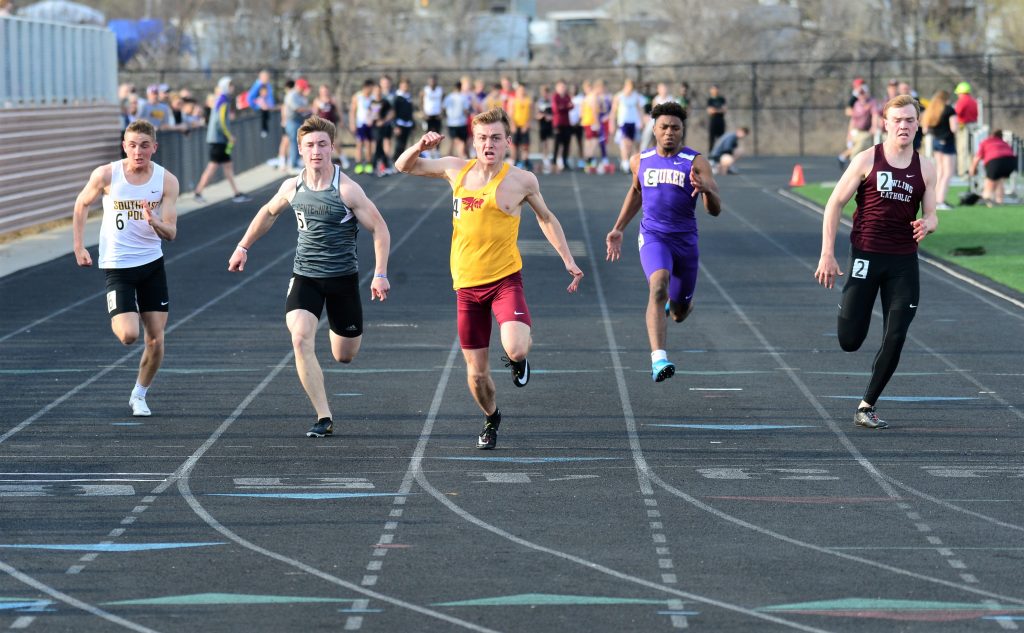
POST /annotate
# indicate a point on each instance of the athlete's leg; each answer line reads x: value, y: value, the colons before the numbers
x: 302, y: 325
x: 683, y: 281
x: 478, y: 375
x: 125, y: 327
x: 516, y: 339
x: 154, y: 324
x: 900, y: 291
x: 345, y: 348
x: 658, y: 295
x: 656, y: 259
x: 858, y: 299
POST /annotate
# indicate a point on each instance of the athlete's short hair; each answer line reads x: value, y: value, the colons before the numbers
x: 900, y: 101
x: 317, y: 124
x: 669, y: 108
x: 494, y: 115
x: 142, y: 126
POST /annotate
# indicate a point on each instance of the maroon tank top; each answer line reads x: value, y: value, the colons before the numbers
x: 887, y: 202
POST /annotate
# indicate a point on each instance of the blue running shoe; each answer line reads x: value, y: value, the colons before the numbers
x: 668, y: 305
x: 662, y: 369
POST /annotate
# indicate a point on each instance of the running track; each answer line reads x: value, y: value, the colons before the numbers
x: 737, y: 496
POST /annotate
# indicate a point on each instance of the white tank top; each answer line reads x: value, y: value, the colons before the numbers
x: 363, y: 109
x: 126, y: 239
x: 629, y: 108
x: 432, y: 100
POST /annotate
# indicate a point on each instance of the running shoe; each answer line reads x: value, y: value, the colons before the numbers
x: 198, y: 197
x: 359, y: 168
x: 322, y: 428
x: 241, y: 197
x: 662, y: 369
x: 867, y: 418
x: 488, y: 438
x: 520, y: 371
x: 139, y: 407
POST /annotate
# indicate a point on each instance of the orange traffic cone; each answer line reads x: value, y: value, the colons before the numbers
x: 797, y: 179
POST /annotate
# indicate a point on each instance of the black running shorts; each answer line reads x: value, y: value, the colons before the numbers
x: 137, y: 289
x: 339, y: 294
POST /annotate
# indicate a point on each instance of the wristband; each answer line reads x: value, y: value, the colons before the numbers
x: 381, y: 276
x: 243, y: 249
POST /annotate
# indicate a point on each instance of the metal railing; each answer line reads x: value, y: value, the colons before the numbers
x: 186, y: 154
x: 47, y: 63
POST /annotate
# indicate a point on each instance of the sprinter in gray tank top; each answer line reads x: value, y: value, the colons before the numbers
x: 329, y: 209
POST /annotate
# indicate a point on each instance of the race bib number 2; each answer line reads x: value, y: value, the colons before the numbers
x: 883, y: 180
x: 860, y: 268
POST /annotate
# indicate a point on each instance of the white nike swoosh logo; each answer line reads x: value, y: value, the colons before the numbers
x: 518, y: 313
x: 912, y: 305
x: 163, y: 303
x: 679, y: 163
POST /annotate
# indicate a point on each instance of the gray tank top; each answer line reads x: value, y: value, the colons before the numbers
x: 327, y: 231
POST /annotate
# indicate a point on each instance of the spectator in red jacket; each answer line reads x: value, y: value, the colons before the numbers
x: 999, y: 161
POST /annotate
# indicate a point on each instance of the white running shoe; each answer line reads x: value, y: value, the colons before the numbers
x: 139, y: 407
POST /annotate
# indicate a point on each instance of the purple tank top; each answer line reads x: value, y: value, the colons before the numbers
x: 668, y: 201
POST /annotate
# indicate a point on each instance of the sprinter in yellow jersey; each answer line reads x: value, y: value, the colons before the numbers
x: 488, y: 197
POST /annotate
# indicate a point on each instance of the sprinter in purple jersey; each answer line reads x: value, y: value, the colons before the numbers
x: 665, y: 184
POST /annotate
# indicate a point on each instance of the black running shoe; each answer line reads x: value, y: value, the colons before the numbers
x: 322, y: 428
x: 867, y: 418
x: 488, y: 438
x: 520, y: 371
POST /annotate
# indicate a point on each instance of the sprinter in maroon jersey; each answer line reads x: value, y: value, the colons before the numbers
x: 893, y: 183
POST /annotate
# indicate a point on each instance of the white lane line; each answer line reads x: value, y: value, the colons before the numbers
x: 72, y: 601
x: 647, y: 475
x: 137, y: 350
x: 967, y: 376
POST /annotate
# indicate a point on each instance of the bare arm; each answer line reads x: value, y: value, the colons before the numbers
x: 165, y: 221
x: 703, y: 182
x: 630, y: 207
x: 551, y: 227
x: 929, y: 220
x: 98, y: 181
x: 411, y: 163
x: 260, y: 224
x: 370, y: 219
x: 828, y: 268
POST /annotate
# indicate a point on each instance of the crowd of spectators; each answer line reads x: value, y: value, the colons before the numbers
x: 949, y: 132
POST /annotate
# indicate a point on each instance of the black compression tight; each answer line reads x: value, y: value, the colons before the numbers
x: 894, y: 278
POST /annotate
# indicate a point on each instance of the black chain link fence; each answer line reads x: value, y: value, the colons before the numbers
x: 792, y: 107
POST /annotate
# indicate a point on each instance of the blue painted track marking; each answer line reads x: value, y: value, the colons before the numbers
x: 107, y: 547
x: 304, y: 495
x: 735, y: 427
x: 910, y: 398
x: 527, y: 460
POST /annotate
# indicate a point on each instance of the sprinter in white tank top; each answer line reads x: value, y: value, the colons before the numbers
x: 139, y: 210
